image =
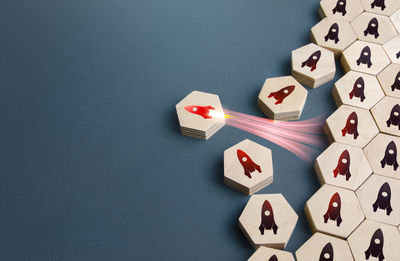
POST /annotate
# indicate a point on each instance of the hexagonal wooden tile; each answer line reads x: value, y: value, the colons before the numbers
x: 333, y: 34
x: 248, y: 167
x: 364, y: 57
x: 357, y: 89
x: 395, y: 18
x: 343, y: 166
x: 313, y: 65
x: 282, y: 98
x: 379, y: 198
x: 271, y: 254
x: 324, y: 248
x: 387, y: 115
x: 392, y: 49
x: 350, y: 125
x: 383, y: 7
x: 341, y: 9
x: 200, y: 115
x: 373, y: 28
x: 375, y: 241
x: 389, y: 79
x: 268, y: 220
x: 381, y: 153
x: 334, y: 211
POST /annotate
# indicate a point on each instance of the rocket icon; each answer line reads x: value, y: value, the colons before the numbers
x: 273, y: 258
x: 390, y: 157
x: 267, y: 218
x: 343, y: 166
x: 351, y: 125
x: 248, y: 164
x: 326, y: 253
x: 394, y: 118
x: 396, y: 84
x: 365, y: 57
x: 383, y: 200
x: 340, y: 7
x: 372, y: 28
x: 378, y: 3
x: 358, y: 89
x: 312, y: 60
x: 333, y: 33
x: 375, y: 248
x: 282, y: 94
x: 333, y: 212
x: 202, y: 111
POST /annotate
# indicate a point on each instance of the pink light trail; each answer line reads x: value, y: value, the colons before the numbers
x: 299, y: 137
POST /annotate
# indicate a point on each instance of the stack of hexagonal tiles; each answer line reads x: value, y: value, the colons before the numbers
x: 356, y: 213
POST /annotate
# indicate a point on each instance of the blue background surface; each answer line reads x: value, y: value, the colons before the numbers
x: 93, y: 166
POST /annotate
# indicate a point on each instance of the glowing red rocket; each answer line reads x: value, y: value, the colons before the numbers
x: 333, y: 212
x: 281, y: 94
x: 202, y: 111
x: 248, y: 164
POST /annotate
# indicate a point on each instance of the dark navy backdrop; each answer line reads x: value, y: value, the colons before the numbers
x: 93, y: 166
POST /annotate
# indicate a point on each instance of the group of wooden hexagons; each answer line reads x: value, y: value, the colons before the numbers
x: 355, y: 215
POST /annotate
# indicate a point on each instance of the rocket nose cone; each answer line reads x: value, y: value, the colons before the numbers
x: 267, y: 207
x: 327, y: 253
x: 366, y: 51
x: 273, y: 258
x: 359, y: 83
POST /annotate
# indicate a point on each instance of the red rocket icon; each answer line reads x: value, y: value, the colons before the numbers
x: 351, y: 125
x: 333, y: 212
x: 281, y: 94
x: 248, y: 164
x: 202, y: 111
x: 343, y: 166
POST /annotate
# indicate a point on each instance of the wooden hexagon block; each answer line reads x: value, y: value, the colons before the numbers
x: 282, y: 98
x: 350, y: 125
x: 392, y: 49
x: 375, y: 241
x: 395, y: 18
x: 373, y: 28
x: 387, y: 115
x: 383, y: 7
x: 324, y: 248
x: 200, y: 115
x: 343, y: 166
x: 248, y: 167
x: 313, y: 65
x: 334, y: 211
x: 271, y: 254
x: 364, y: 57
x: 357, y: 89
x: 346, y: 10
x: 389, y: 79
x: 268, y: 220
x: 379, y: 198
x: 381, y: 153
x: 333, y: 34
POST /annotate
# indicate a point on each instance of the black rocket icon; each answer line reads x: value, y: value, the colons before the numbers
x: 394, y: 118
x: 351, y: 125
x: 333, y: 33
x: 343, y: 166
x: 333, y: 212
x: 390, y: 157
x: 365, y: 57
x: 312, y: 60
x: 375, y: 248
x: 396, y: 84
x: 326, y: 253
x: 383, y: 200
x: 378, y: 3
x: 358, y: 89
x: 372, y: 28
x: 267, y: 218
x: 340, y: 7
x: 273, y: 258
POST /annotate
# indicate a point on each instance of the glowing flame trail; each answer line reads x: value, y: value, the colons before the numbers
x: 297, y: 137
